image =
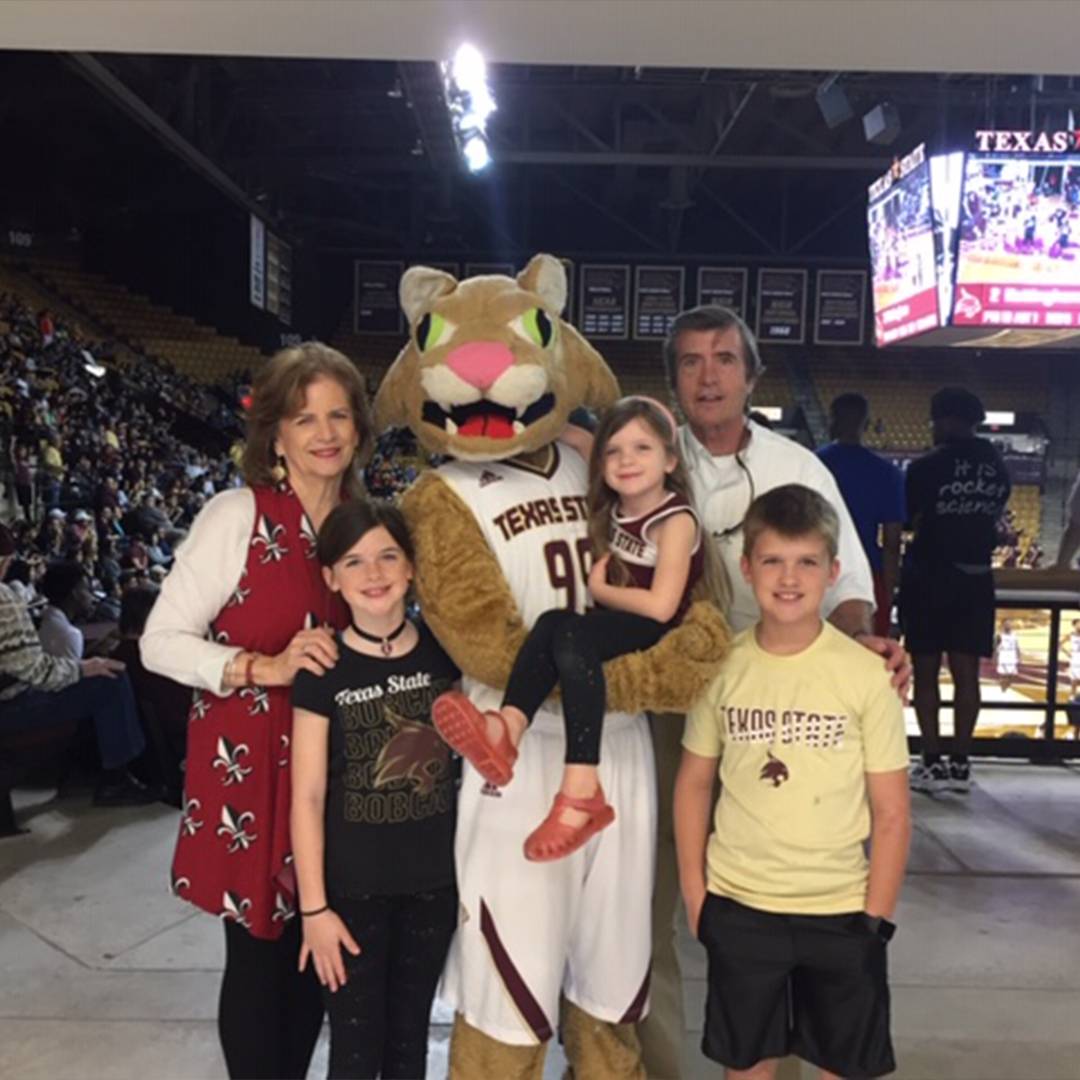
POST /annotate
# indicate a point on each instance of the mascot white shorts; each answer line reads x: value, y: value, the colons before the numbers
x: 579, y: 926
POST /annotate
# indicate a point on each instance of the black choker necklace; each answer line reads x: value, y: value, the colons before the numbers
x: 386, y: 644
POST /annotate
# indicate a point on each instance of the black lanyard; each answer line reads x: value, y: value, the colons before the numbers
x: 724, y: 534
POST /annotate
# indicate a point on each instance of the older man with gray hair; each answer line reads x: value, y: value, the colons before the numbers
x: 712, y: 364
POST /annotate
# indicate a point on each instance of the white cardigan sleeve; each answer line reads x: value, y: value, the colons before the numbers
x: 208, y: 567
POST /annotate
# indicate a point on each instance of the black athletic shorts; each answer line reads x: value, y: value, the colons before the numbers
x: 943, y: 609
x: 811, y: 985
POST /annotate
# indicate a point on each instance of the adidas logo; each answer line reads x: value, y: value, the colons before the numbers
x: 490, y: 789
x: 488, y: 477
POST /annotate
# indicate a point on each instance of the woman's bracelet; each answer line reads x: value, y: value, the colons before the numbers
x: 232, y: 678
x: 316, y: 911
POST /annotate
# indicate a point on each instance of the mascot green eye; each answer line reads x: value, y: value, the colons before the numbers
x: 535, y: 325
x: 432, y: 330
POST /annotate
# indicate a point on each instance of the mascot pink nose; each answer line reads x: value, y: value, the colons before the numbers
x: 480, y: 363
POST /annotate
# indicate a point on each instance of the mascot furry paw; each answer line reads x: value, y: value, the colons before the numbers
x: 489, y: 377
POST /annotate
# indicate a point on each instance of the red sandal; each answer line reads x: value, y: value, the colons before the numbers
x: 464, y: 727
x: 554, y: 839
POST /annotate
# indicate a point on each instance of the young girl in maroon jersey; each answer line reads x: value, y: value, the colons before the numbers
x: 648, y: 556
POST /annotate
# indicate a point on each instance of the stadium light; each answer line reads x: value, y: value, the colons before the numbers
x: 476, y: 153
x: 470, y: 103
x: 468, y: 68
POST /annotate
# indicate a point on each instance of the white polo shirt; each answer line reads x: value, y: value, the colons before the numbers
x: 723, y: 491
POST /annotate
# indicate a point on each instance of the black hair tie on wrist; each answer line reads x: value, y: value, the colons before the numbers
x: 317, y: 911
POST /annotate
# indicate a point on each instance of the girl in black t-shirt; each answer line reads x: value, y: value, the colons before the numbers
x: 373, y: 797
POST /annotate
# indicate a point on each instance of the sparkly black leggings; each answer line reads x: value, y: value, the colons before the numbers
x: 569, y: 650
x: 379, y: 1018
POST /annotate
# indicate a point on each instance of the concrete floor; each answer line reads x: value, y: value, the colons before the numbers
x: 105, y: 975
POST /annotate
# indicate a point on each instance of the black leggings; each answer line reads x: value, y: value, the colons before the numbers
x: 569, y: 650
x: 379, y: 1018
x: 269, y: 1014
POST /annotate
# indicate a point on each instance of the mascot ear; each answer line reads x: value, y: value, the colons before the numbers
x: 546, y: 277
x: 590, y: 381
x: 420, y: 287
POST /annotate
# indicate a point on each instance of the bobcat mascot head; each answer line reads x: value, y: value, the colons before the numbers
x: 491, y: 370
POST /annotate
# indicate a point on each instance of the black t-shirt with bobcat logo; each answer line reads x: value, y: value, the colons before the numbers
x: 391, y: 785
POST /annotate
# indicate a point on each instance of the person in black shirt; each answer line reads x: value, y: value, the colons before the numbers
x: 373, y: 805
x: 956, y: 495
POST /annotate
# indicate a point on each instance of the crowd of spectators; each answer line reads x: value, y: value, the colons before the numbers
x: 1015, y: 547
x: 101, y: 479
x: 93, y: 468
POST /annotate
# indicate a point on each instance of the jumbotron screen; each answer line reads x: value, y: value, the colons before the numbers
x: 1018, y: 258
x: 902, y: 251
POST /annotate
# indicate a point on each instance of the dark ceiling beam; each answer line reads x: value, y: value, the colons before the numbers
x: 748, y: 227
x: 737, y: 110
x: 115, y: 91
x: 683, y: 133
x: 423, y: 87
x: 345, y: 161
x: 857, y: 201
x: 604, y: 209
x: 816, y: 146
x: 577, y: 125
x: 466, y: 248
x: 341, y: 161
x: 588, y: 158
x: 489, y: 224
x: 313, y: 222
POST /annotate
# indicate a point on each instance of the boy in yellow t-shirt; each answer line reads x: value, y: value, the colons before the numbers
x: 813, y: 758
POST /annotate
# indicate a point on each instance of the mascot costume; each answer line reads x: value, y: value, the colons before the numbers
x: 488, y: 378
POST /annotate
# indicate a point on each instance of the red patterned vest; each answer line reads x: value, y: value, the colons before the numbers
x: 233, y: 857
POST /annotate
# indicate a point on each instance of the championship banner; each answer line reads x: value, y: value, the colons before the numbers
x: 604, y: 306
x: 257, y: 282
x: 781, y: 306
x: 723, y: 285
x: 376, y: 309
x: 658, y: 298
x: 278, y: 278
x: 840, y: 310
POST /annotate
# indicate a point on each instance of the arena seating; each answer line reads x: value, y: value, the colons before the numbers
x: 899, y: 386
x: 1025, y: 502
x: 640, y: 371
x: 194, y: 349
x: 371, y: 353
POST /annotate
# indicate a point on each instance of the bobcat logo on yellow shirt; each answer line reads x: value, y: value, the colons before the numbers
x: 775, y: 770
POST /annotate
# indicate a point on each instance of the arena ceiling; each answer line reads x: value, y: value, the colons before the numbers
x: 635, y: 157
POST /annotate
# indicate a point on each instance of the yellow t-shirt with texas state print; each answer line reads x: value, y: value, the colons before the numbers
x: 795, y: 736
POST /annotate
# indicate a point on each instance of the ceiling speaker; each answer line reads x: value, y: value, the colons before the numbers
x: 881, y: 124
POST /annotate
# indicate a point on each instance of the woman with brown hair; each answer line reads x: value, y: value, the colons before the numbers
x: 242, y: 611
